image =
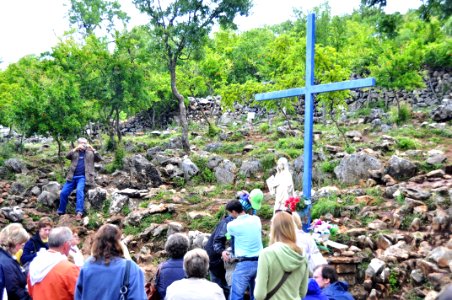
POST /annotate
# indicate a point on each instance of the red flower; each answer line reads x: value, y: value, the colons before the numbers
x: 292, y: 203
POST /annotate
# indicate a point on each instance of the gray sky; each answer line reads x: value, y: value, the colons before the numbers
x: 34, y: 26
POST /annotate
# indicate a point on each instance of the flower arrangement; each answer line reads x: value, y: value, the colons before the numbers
x: 321, y: 230
x: 294, y: 204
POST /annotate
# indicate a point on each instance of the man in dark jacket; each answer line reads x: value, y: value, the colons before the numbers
x: 81, y: 173
x: 215, y: 247
x: 326, y: 277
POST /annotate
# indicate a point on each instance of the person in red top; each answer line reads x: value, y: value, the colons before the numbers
x: 51, y: 275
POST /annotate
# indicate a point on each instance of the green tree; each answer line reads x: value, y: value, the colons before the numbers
x: 89, y: 15
x: 181, y: 29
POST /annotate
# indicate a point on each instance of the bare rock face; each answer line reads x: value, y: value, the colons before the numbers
x: 400, y: 168
x: 225, y: 172
x: 442, y: 256
x: 14, y: 214
x: 355, y: 167
x: 441, y: 220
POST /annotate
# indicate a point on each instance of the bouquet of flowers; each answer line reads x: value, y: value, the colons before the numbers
x: 294, y: 204
x: 321, y: 230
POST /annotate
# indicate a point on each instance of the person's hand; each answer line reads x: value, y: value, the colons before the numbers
x: 89, y: 147
x: 80, y: 147
x: 225, y: 256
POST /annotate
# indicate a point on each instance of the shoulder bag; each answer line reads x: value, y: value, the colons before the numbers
x: 276, y: 288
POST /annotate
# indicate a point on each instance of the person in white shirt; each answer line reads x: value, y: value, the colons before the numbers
x: 195, y: 286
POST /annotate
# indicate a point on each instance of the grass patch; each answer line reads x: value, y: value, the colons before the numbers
x: 328, y: 166
x: 290, y: 143
x: 326, y: 205
x: 404, y: 143
x: 229, y: 148
x: 266, y: 212
x: 264, y: 128
x: 205, y: 175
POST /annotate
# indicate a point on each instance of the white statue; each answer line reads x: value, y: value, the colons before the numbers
x: 281, y: 185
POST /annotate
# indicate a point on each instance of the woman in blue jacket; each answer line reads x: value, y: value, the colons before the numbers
x: 12, y: 238
x: 102, y: 275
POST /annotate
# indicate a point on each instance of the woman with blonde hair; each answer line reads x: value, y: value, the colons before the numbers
x: 13, y: 238
x: 102, y: 276
x: 282, y: 271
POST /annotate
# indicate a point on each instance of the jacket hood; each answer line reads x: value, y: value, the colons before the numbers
x: 41, y: 265
x: 313, y: 288
x: 287, y: 258
x: 340, y: 286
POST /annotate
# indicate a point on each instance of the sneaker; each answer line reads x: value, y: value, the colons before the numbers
x: 79, y: 216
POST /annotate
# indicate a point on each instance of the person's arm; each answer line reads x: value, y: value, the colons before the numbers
x: 78, y: 293
x: 260, y: 290
x: 97, y: 157
x: 16, y: 286
x: 219, y: 242
x: 71, y: 279
x: 29, y: 252
x: 136, y: 283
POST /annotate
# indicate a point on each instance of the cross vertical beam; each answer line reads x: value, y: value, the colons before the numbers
x: 309, y: 108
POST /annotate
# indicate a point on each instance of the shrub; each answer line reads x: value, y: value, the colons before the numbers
x: 328, y: 166
x: 213, y: 130
x: 6, y: 151
x: 290, y: 143
x: 118, y: 160
x: 268, y: 162
x: 401, y: 115
x: 404, y: 143
x: 264, y: 128
x: 326, y: 205
x: 205, y: 175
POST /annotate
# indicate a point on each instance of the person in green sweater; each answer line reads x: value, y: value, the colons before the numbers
x: 282, y: 271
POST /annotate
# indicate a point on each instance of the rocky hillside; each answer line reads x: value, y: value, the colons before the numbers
x: 389, y: 189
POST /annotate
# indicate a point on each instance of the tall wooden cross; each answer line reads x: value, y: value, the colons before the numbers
x: 309, y: 90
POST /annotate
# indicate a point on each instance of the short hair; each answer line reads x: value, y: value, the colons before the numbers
x: 106, y: 243
x: 328, y: 272
x: 177, y: 245
x: 234, y: 205
x: 44, y: 222
x: 196, y: 263
x: 82, y: 140
x: 12, y: 235
x: 58, y: 236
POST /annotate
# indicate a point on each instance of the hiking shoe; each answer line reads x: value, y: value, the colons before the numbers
x: 79, y: 216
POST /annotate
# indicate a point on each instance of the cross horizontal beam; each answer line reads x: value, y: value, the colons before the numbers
x: 315, y: 89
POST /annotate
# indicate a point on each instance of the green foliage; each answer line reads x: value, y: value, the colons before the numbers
x: 400, y: 199
x: 439, y: 55
x: 268, y: 162
x: 205, y: 224
x: 264, y: 128
x: 326, y: 205
x: 266, y: 212
x: 404, y: 143
x: 213, y: 130
x: 179, y: 182
x: 408, y: 219
x: 328, y: 166
x: 394, y: 280
x: 118, y: 161
x: 290, y: 143
x: 6, y: 151
x: 205, y: 175
x: 402, y: 114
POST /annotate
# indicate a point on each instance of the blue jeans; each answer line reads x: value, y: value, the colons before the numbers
x: 77, y: 182
x: 221, y: 283
x: 244, y: 276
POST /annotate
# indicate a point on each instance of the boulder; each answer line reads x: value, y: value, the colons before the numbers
x: 117, y: 202
x: 96, y: 197
x: 443, y: 113
x: 225, y: 172
x: 442, y: 256
x: 198, y: 239
x: 14, y: 165
x: 400, y: 168
x: 355, y: 167
x: 14, y: 214
x: 189, y: 168
x: 142, y: 172
x: 249, y: 168
x: 50, y: 194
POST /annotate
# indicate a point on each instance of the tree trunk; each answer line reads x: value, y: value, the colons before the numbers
x: 182, y: 109
x: 118, y: 129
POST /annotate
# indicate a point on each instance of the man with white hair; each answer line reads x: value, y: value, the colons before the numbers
x: 81, y: 173
x: 51, y: 275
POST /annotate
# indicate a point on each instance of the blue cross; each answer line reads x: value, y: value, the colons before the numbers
x: 309, y: 90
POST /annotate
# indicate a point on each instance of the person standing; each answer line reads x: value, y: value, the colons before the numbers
x: 102, y: 275
x: 12, y: 238
x: 246, y: 231
x: 81, y: 173
x: 51, y: 275
x: 36, y: 242
x: 216, y: 245
x: 282, y: 272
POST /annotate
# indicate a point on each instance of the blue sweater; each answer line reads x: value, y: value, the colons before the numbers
x: 15, y: 280
x: 337, y: 291
x: 101, y: 282
x: 314, y: 291
x: 170, y: 271
x: 32, y: 247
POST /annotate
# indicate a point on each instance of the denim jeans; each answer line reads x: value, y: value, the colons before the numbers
x: 244, y: 276
x: 77, y: 182
x: 221, y: 283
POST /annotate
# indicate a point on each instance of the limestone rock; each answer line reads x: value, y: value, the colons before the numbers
x: 249, y: 168
x: 96, y: 197
x: 225, y: 172
x: 355, y: 167
x: 117, y: 202
x: 14, y: 214
x: 442, y: 256
x: 400, y: 168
